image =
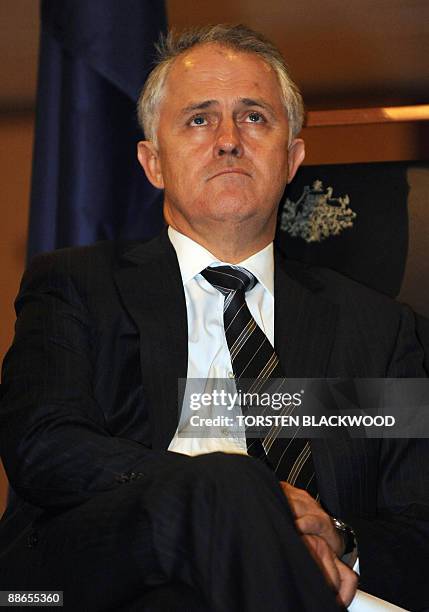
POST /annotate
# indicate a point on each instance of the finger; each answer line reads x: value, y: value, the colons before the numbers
x: 300, y: 501
x: 348, y: 583
x: 310, y: 524
x: 286, y: 486
x: 321, y: 525
x: 301, y: 506
x: 295, y: 492
x: 311, y: 518
x: 325, y: 559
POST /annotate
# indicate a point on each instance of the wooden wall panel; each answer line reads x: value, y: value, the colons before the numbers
x: 364, y: 143
x: 342, y: 54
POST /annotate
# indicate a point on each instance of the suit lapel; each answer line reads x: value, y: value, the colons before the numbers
x: 151, y: 288
x: 304, y: 323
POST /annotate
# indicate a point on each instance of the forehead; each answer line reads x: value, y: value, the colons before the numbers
x: 213, y: 70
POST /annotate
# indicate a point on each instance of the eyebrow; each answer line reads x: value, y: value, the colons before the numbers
x: 204, y: 104
x: 257, y: 102
x: 198, y: 106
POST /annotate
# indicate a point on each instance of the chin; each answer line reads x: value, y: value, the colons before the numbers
x: 231, y: 207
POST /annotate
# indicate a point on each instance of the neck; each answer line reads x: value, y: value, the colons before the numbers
x: 231, y: 241
x: 231, y: 247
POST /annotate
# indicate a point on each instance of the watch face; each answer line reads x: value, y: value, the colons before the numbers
x: 347, y: 533
x: 339, y: 524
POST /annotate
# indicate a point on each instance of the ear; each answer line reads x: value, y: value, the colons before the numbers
x: 148, y: 157
x: 296, y: 155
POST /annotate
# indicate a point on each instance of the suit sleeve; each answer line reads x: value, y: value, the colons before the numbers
x: 394, y: 546
x: 55, y: 446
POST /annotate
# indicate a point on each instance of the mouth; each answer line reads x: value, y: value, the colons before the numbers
x: 230, y: 171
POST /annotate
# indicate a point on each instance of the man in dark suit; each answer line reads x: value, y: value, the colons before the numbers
x: 108, y: 505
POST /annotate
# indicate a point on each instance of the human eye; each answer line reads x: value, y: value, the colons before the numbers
x: 255, y: 117
x: 197, y: 120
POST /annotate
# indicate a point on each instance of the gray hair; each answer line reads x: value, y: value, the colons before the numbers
x: 237, y: 37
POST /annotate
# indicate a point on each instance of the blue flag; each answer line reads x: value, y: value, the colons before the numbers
x: 87, y: 184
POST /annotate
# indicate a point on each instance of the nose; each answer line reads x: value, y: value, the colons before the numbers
x: 228, y: 141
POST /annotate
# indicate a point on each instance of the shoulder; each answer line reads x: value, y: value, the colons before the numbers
x: 79, y: 263
x: 86, y: 272
x: 65, y: 275
x: 341, y: 290
x: 372, y: 328
x: 68, y: 266
x: 100, y: 257
x: 100, y: 254
x: 362, y: 312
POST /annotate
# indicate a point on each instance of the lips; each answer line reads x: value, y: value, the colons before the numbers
x: 229, y: 171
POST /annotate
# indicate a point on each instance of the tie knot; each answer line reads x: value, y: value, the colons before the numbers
x: 230, y: 278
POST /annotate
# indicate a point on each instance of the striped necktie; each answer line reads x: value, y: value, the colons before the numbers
x: 253, y: 357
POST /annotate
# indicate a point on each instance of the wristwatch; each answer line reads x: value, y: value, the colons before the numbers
x: 348, y: 536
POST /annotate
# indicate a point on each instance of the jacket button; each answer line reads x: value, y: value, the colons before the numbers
x: 136, y: 475
x: 123, y: 478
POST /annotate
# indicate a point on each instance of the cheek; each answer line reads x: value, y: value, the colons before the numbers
x: 271, y: 160
x: 181, y: 174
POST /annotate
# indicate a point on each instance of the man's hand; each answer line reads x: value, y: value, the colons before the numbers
x: 323, y: 540
x: 311, y: 519
x: 340, y: 576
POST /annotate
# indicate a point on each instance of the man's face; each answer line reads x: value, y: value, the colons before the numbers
x: 222, y: 154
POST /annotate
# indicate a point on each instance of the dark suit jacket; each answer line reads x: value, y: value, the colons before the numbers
x: 90, y: 393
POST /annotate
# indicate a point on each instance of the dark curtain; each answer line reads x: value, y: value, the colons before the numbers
x: 87, y: 184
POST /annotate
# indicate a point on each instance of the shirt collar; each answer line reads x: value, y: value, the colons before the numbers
x: 193, y: 258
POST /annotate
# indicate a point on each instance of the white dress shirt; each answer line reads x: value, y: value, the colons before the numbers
x: 208, y: 353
